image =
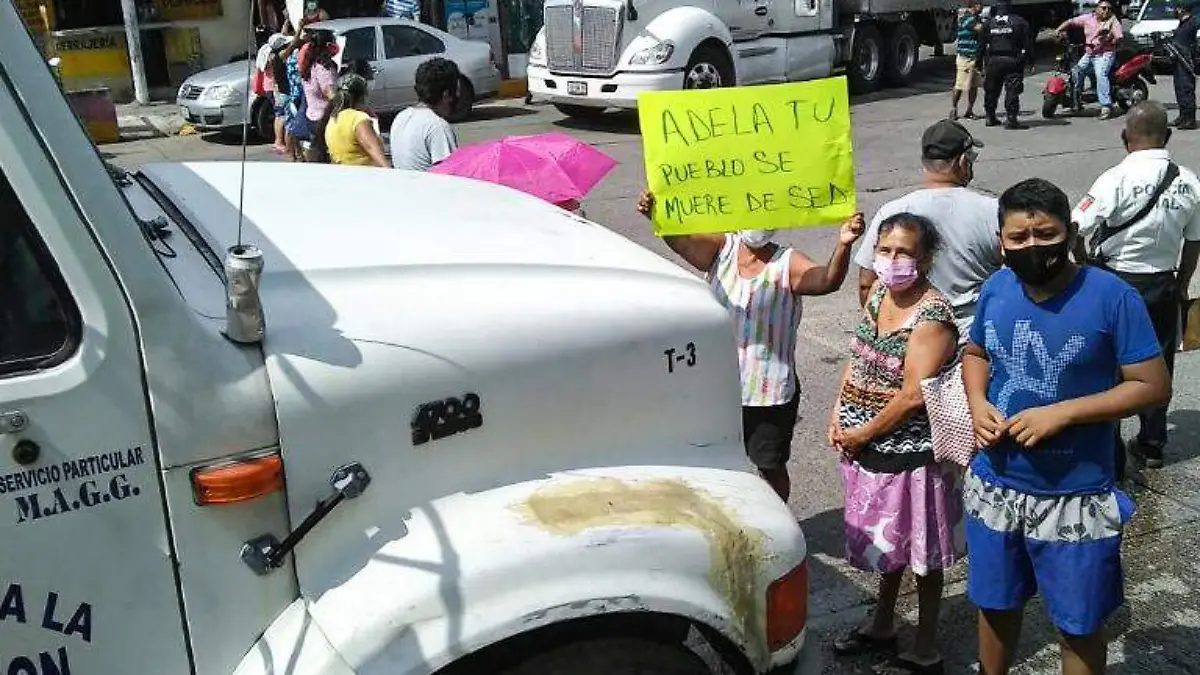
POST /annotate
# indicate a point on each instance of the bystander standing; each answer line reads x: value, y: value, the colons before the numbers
x: 1057, y: 354
x: 1007, y: 52
x: 1184, y: 77
x: 967, y: 74
x: 965, y: 219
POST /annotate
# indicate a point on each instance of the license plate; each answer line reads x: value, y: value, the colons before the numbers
x: 577, y: 88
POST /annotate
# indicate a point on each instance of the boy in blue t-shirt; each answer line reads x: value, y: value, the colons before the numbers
x: 1058, y: 354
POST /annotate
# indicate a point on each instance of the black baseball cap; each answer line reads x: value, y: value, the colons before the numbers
x: 947, y: 139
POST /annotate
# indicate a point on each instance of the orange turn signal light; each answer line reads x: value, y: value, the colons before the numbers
x: 787, y: 607
x: 239, y: 481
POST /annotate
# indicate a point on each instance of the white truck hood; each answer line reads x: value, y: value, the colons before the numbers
x: 389, y: 292
x: 327, y: 221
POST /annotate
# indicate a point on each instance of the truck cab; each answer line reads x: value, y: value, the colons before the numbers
x: 592, y: 55
x: 463, y: 441
x: 597, y: 54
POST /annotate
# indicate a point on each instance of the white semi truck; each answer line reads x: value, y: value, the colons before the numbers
x: 598, y: 54
x: 445, y: 428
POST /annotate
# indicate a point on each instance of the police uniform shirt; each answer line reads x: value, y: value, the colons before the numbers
x: 1154, y: 243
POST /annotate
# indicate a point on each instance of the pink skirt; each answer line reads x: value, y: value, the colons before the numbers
x: 911, y: 519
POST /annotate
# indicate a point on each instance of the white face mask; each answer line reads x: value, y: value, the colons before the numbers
x: 756, y: 238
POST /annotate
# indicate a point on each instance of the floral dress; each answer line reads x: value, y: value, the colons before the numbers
x: 902, y: 509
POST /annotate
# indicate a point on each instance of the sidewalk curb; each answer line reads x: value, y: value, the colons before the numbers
x: 157, y: 120
x: 514, y: 88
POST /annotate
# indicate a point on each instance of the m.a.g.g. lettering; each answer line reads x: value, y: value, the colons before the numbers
x: 71, y: 469
x: 74, y: 484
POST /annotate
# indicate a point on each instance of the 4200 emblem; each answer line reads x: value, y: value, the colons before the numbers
x: 439, y: 419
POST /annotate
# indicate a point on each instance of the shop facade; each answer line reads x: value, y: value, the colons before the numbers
x: 182, y: 37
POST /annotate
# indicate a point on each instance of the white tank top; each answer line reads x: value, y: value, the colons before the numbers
x: 766, y: 315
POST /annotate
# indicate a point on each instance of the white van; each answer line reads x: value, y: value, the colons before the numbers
x: 460, y: 444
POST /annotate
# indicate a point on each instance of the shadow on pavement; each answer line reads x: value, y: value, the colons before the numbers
x: 1160, y: 649
x: 617, y: 122
x: 1185, y: 437
x: 497, y: 112
x: 232, y: 138
x: 1042, y: 122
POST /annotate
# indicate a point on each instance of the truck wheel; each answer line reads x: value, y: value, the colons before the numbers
x: 466, y: 101
x: 866, y: 62
x: 617, y: 656
x: 709, y: 68
x: 583, y: 112
x: 902, y: 53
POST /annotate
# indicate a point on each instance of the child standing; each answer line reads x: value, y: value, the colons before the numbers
x: 1058, y: 354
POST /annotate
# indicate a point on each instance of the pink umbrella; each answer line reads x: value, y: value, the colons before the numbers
x: 553, y: 167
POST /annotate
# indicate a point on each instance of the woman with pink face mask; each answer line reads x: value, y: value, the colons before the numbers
x: 902, y: 508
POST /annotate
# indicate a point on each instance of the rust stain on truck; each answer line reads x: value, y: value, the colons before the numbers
x: 736, y: 550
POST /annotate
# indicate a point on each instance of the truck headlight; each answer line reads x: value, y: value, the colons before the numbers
x: 656, y: 54
x: 537, y: 50
x: 220, y: 92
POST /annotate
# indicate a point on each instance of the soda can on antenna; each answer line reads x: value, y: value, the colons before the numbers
x: 243, y: 307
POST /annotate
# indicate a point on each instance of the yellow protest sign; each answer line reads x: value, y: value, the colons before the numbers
x: 760, y: 158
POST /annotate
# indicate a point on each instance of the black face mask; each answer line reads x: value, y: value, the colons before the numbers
x: 1038, y: 265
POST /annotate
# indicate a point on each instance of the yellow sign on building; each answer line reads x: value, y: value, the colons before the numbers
x: 186, y: 10
x: 35, y: 20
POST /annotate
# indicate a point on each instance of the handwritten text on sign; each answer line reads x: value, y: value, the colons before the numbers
x: 760, y: 158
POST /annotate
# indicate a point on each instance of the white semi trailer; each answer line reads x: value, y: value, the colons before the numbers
x: 598, y: 54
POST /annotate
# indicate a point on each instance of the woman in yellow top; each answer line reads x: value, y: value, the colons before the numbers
x: 350, y: 135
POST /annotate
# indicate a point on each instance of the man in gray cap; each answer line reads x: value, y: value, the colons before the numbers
x: 965, y: 218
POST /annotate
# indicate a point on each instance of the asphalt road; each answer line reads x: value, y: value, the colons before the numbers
x: 1159, y: 630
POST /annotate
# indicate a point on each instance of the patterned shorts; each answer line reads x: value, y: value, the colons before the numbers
x: 1067, y: 548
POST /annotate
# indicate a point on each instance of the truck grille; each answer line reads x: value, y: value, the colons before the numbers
x: 601, y: 32
x: 190, y: 92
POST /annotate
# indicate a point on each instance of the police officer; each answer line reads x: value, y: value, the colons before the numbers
x: 1008, y: 51
x: 1141, y: 220
x: 1185, y: 70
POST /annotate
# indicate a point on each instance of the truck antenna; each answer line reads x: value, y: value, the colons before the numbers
x: 252, y: 52
x: 244, y: 319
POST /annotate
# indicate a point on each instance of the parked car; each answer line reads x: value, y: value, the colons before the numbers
x: 217, y: 100
x: 1155, y: 16
x: 387, y: 50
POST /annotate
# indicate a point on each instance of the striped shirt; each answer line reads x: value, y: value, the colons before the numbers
x: 968, y: 39
x: 766, y: 314
x: 402, y: 9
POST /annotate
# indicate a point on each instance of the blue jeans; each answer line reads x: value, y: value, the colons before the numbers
x: 1100, y: 64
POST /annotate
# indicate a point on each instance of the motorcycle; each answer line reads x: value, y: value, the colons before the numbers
x: 1131, y: 76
